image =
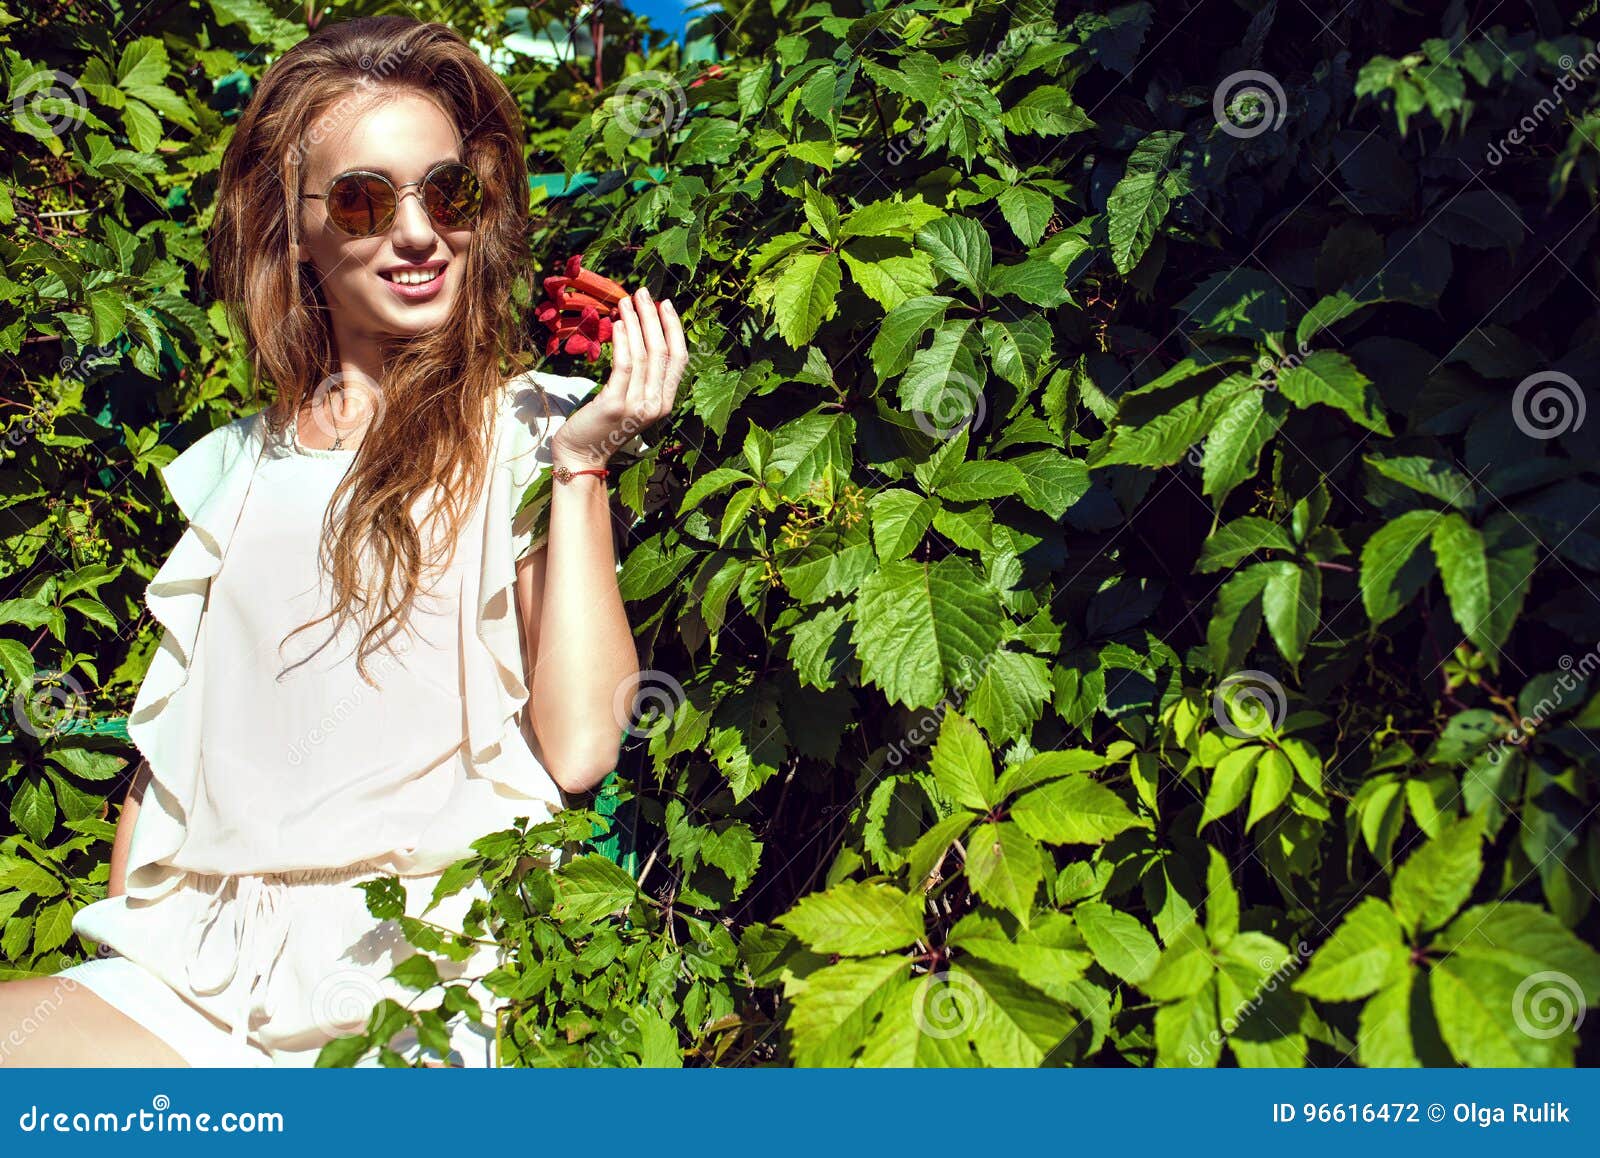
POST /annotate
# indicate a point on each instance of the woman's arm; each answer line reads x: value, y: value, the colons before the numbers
x: 117, y: 885
x: 578, y: 645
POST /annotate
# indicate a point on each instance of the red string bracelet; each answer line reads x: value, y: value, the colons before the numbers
x: 565, y: 475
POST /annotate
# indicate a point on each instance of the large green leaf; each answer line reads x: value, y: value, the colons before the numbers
x: 915, y: 622
x: 1332, y: 379
x: 856, y: 918
x: 1436, y: 880
x: 1394, y: 566
x: 1139, y: 202
x: 1005, y: 867
x: 1073, y: 809
x: 1364, y: 954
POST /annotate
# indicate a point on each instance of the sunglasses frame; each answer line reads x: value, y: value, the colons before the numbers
x: 388, y: 223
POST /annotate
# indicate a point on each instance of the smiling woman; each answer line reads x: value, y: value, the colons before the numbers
x: 371, y: 220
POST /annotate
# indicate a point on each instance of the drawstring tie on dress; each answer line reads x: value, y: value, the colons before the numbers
x: 256, y: 936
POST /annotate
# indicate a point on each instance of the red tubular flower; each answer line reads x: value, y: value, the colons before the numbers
x: 579, y: 309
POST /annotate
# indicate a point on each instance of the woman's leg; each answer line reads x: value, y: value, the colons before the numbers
x: 55, y: 1021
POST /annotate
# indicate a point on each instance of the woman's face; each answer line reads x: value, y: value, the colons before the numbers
x: 362, y: 278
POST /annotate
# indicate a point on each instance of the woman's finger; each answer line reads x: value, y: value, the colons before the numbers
x: 677, y: 354
x: 623, y: 355
x: 655, y: 349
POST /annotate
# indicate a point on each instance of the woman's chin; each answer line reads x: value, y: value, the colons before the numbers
x: 410, y: 321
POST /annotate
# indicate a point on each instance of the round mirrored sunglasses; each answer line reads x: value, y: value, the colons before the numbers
x: 362, y: 203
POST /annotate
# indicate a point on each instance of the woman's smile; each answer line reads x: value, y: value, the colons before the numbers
x: 415, y: 283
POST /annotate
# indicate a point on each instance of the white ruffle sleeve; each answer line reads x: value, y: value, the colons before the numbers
x: 209, y: 482
x: 495, y: 688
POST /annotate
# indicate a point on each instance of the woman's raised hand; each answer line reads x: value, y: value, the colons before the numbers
x: 649, y: 356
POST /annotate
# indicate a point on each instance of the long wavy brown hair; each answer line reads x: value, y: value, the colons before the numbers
x: 428, y: 442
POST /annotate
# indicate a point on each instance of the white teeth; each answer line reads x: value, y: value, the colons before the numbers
x: 414, y: 277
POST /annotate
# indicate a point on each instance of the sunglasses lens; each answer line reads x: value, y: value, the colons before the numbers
x: 361, y: 204
x: 452, y: 195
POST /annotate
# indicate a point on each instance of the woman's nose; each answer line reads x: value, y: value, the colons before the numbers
x: 412, y: 228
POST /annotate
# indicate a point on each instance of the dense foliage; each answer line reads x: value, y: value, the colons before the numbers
x: 1118, y: 588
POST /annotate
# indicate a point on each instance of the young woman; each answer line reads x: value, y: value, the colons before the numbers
x: 369, y: 658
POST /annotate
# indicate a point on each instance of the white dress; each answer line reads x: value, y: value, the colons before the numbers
x: 278, y: 784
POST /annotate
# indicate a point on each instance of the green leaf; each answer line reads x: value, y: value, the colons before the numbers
x: 1393, y: 565
x: 1230, y: 782
x: 962, y: 764
x: 1005, y: 868
x: 1512, y: 986
x: 806, y: 295
x: 1365, y: 954
x: 915, y: 622
x: 1139, y: 202
x: 1486, y: 575
x: 1121, y: 945
x: 933, y: 844
x: 1332, y: 379
x: 960, y: 250
x: 1437, y: 879
x: 855, y: 918
x: 1046, y: 111
x: 1245, y: 425
x: 1292, y: 604
x: 1222, y: 899
x: 1385, y: 1033
x: 1274, y: 776
x: 1188, y: 1032
x: 52, y: 926
x: 1232, y: 543
x: 1013, y: 1024
x: 1073, y: 810
x: 1428, y: 476
x: 833, y: 1008
x: 1236, y: 617
x: 1010, y: 695
x: 590, y: 887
